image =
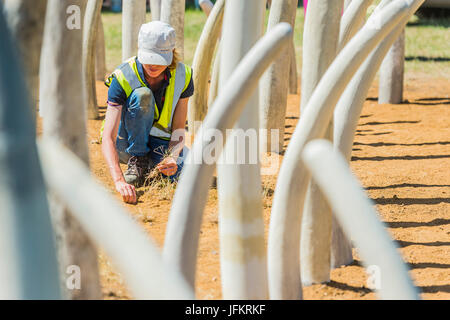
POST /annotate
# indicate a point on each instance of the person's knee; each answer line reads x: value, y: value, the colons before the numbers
x: 142, y: 100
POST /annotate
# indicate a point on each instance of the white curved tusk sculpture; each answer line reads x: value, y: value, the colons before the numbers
x: 198, y: 104
x: 183, y: 228
x: 284, y: 230
x: 320, y: 43
x: 25, y: 20
x: 155, y: 9
x: 352, y: 20
x: 90, y: 26
x: 346, y: 4
x: 215, y: 73
x: 346, y: 117
x: 28, y: 267
x: 64, y: 120
x: 206, y: 5
x: 360, y: 220
x: 341, y: 247
x: 136, y: 256
x: 241, y: 225
x: 274, y: 83
x: 172, y: 12
x: 133, y: 16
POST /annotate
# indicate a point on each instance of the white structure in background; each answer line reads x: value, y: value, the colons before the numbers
x: 133, y: 16
x: 172, y: 12
x: 392, y: 73
x: 90, y: 31
x: 274, y: 84
x: 24, y: 19
x: 155, y: 8
x: 203, y: 57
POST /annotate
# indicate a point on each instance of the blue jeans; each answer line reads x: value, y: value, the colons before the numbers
x: 134, y: 138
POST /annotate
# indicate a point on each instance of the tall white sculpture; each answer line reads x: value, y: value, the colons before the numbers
x: 172, y: 12
x: 293, y: 76
x: 346, y: 116
x: 352, y: 20
x: 28, y: 267
x: 100, y: 54
x: 357, y: 215
x: 90, y: 25
x: 241, y: 227
x: 203, y: 57
x: 284, y: 230
x: 320, y: 43
x: 155, y: 8
x: 133, y: 16
x: 274, y: 84
x: 26, y: 22
x: 392, y: 73
x: 183, y: 228
x: 64, y: 120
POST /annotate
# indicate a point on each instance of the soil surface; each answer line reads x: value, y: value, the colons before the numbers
x: 401, y: 155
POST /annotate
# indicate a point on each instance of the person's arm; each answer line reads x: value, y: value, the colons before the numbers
x: 169, y: 165
x: 112, y: 121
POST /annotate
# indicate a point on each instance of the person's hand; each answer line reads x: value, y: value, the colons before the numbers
x: 127, y: 191
x: 168, y: 166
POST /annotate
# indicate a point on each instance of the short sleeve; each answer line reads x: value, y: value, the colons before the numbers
x: 189, y: 89
x: 116, y: 94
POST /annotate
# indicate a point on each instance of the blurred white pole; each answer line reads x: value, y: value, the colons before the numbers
x: 26, y: 21
x: 62, y: 95
x: 28, y: 265
x: 356, y: 213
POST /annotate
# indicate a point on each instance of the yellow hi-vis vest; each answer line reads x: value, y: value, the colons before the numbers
x: 129, y: 79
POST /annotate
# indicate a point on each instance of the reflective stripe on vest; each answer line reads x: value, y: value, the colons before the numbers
x: 129, y: 79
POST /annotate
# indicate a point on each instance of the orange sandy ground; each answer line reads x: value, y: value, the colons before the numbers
x: 401, y: 156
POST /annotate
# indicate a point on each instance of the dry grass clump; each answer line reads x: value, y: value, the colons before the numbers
x: 158, y: 184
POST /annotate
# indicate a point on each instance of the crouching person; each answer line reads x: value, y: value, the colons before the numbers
x: 146, y: 114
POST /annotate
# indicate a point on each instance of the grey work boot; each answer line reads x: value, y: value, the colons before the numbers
x: 137, y: 170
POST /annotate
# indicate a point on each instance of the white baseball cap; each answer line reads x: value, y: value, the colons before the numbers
x: 156, y: 42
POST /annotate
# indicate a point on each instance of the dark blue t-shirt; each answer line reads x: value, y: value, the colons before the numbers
x: 116, y: 94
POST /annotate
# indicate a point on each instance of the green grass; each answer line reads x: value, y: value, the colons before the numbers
x: 427, y: 42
